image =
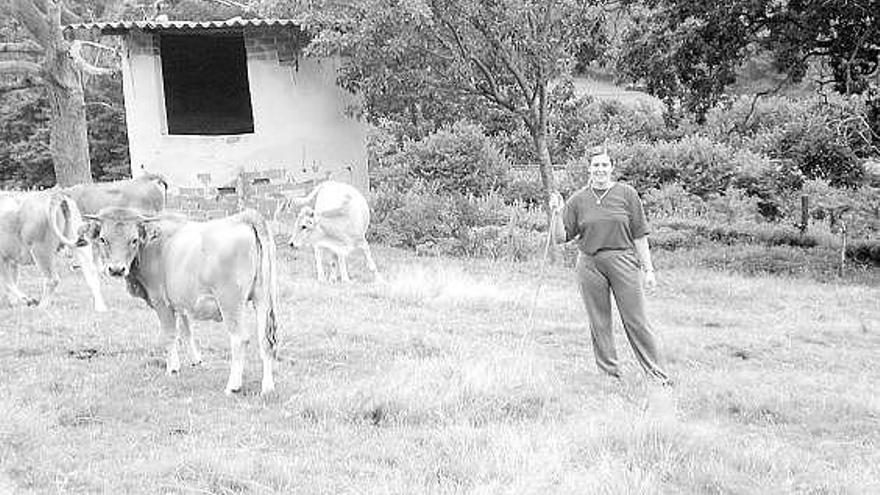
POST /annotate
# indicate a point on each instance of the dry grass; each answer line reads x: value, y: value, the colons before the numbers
x: 437, y: 382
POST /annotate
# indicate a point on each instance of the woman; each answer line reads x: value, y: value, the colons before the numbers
x: 607, y: 221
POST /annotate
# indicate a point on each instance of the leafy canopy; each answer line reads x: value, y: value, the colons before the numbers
x: 687, y: 51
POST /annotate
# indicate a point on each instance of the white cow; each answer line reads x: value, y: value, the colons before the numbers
x: 33, y: 227
x: 197, y: 271
x: 335, y: 217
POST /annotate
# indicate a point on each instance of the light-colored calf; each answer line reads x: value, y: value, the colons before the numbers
x: 333, y: 217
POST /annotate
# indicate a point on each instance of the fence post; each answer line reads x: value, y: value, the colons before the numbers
x: 842, y: 247
x: 241, y: 191
x: 805, y: 213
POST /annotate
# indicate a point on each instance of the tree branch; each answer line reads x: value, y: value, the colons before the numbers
x: 68, y: 17
x: 27, y: 13
x: 75, y: 52
x: 501, y: 51
x: 493, y: 93
x: 28, y: 47
x: 20, y: 67
x: 758, y: 95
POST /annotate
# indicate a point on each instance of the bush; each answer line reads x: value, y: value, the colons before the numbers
x: 831, y: 207
x: 457, y: 159
x: 433, y: 222
x: 701, y: 166
x: 823, y: 139
x: 671, y: 234
x: 864, y: 252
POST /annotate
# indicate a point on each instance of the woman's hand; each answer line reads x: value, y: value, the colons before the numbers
x: 556, y: 201
x: 650, y: 280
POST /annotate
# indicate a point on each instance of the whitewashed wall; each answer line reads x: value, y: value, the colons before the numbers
x: 299, y: 120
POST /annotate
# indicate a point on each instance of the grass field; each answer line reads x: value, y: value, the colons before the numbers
x: 437, y: 382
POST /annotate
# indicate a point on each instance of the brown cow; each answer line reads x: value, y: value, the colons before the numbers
x: 201, y: 270
x: 146, y: 192
x: 33, y: 227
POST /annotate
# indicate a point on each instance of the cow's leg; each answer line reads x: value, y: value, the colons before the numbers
x: 168, y: 322
x: 186, y: 333
x: 371, y: 264
x: 231, y: 308
x: 44, y: 259
x: 341, y: 260
x: 85, y: 259
x: 319, y: 263
x: 9, y: 279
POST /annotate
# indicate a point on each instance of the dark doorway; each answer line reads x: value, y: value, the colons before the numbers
x: 206, y: 84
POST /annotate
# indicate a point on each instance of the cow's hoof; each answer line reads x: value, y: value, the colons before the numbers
x: 197, y: 363
x: 173, y: 373
x: 232, y: 391
x: 31, y: 302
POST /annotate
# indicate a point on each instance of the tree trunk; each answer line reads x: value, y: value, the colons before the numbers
x: 68, y: 138
x: 545, y: 164
x: 536, y: 122
x: 537, y: 126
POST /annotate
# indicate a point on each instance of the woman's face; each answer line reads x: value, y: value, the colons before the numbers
x: 601, y: 168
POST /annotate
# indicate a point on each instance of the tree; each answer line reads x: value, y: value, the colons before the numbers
x: 410, y: 58
x: 688, y: 51
x: 49, y: 59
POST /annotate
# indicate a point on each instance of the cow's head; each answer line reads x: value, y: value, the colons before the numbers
x: 118, y: 235
x: 303, y: 228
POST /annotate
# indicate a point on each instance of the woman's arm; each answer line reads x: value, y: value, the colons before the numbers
x: 643, y: 252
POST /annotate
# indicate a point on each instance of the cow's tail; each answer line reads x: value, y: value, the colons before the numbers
x: 267, y: 277
x: 63, y: 208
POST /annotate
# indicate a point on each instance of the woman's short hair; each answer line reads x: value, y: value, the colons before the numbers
x: 598, y: 151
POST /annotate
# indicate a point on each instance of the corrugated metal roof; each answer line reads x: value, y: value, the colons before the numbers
x: 124, y: 26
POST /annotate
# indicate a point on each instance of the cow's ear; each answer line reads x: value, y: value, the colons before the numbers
x: 148, y: 231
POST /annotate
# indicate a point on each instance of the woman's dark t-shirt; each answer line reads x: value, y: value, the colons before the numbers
x: 613, y: 224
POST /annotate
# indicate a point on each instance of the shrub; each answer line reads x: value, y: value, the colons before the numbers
x: 672, y: 200
x: 604, y: 120
x: 702, y: 167
x: 769, y: 182
x: 457, y: 159
x: 433, y: 222
x: 858, y: 209
x: 822, y: 138
x: 679, y: 233
x: 819, y: 156
x: 864, y: 252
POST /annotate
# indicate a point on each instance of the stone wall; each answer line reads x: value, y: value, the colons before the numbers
x: 262, y: 191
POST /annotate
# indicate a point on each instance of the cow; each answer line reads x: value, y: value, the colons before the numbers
x: 146, y: 192
x: 334, y: 216
x: 33, y: 227
x: 187, y: 270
